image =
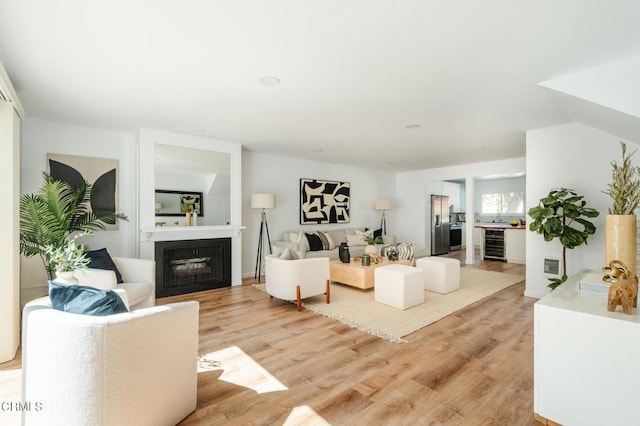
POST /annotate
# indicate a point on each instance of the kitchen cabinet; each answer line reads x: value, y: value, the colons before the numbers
x: 452, y: 190
x: 584, y: 358
x: 515, y: 245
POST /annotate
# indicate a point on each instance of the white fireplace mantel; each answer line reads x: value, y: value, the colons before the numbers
x: 149, y: 237
x: 170, y: 233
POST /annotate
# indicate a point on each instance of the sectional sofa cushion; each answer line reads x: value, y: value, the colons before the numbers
x: 315, y: 243
x: 289, y: 254
x: 356, y: 240
x: 100, y: 259
x: 338, y: 236
x: 327, y: 240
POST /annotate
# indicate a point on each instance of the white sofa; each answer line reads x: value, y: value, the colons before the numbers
x: 139, y: 277
x: 136, y: 367
x: 293, y: 240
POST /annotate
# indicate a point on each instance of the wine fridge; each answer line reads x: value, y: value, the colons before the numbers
x: 494, y: 244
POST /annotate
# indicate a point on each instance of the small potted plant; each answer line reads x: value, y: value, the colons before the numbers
x: 65, y: 259
x: 371, y: 248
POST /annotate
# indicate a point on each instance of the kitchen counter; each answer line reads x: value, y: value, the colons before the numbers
x: 499, y: 226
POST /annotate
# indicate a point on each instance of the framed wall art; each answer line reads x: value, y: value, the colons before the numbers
x: 324, y: 201
x: 177, y: 203
x: 101, y: 173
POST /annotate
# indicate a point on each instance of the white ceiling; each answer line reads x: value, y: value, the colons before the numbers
x: 353, y: 73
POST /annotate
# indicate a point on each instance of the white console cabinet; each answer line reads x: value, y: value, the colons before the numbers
x: 586, y: 359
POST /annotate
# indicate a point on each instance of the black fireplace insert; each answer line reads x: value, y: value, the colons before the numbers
x: 186, y: 266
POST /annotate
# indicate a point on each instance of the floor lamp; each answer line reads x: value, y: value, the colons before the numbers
x: 383, y: 205
x: 262, y: 201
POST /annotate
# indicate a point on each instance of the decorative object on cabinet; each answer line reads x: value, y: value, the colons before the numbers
x: 624, y: 292
x: 323, y: 201
x: 383, y: 205
x: 620, y: 223
x: 563, y: 214
x: 624, y: 288
x: 262, y: 201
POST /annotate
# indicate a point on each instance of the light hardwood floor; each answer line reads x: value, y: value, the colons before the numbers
x: 474, y: 367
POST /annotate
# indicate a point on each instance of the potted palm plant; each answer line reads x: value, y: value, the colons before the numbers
x: 620, y: 223
x: 50, y: 217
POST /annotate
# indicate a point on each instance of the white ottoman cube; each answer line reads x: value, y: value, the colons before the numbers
x: 441, y: 274
x: 400, y: 286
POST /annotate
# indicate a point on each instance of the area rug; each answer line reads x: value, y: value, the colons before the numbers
x: 357, y: 308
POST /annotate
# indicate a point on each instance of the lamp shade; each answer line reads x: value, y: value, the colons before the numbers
x: 263, y: 201
x: 382, y: 205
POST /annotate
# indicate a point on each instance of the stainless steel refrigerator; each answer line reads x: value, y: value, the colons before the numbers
x: 439, y: 224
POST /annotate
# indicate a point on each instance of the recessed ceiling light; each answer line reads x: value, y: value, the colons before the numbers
x: 269, y: 80
x: 412, y: 126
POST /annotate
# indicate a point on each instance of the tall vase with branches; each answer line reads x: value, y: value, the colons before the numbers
x: 620, y: 223
x: 49, y: 217
x: 563, y: 214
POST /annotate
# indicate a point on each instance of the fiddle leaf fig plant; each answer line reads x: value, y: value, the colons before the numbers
x: 624, y: 188
x: 563, y: 214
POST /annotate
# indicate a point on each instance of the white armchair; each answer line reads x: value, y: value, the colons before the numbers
x: 297, y: 279
x: 132, y: 368
x: 139, y: 277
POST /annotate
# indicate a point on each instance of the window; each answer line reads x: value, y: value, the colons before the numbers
x: 503, y: 202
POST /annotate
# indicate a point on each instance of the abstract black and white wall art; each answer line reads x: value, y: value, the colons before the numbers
x: 101, y: 173
x: 324, y: 201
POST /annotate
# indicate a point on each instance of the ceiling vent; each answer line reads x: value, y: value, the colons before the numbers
x: 7, y: 93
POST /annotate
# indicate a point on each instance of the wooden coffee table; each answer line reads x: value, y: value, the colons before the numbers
x: 356, y: 275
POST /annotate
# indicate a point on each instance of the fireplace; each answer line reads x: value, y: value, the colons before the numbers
x: 186, y: 266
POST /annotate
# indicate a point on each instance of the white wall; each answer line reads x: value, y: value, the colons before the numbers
x: 40, y: 137
x: 572, y: 156
x: 281, y: 176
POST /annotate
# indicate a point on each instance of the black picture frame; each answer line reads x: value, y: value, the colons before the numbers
x: 178, y: 203
x: 324, y: 201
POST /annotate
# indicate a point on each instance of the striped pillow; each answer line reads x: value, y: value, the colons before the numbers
x: 327, y: 240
